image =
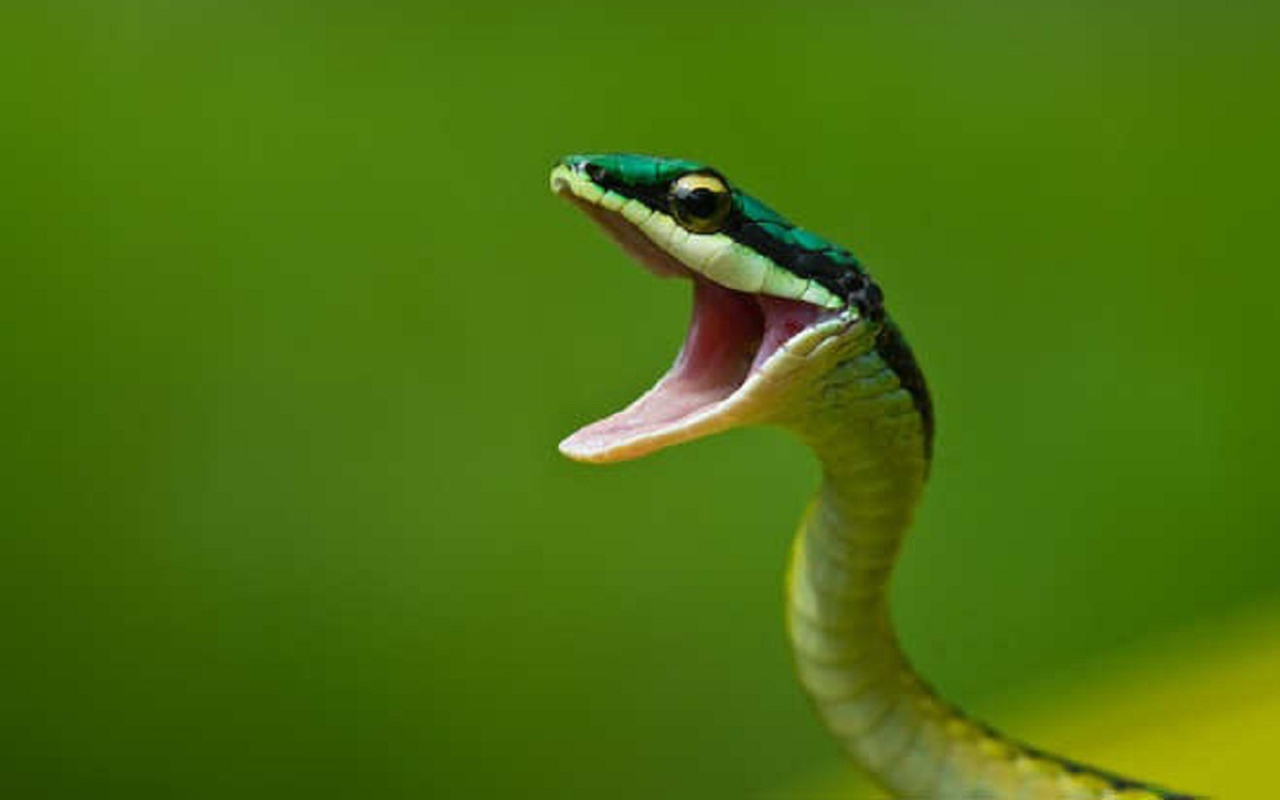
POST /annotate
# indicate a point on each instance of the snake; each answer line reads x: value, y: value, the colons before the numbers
x: 790, y: 330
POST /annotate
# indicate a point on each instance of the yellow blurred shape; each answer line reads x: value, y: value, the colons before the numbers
x: 1198, y: 710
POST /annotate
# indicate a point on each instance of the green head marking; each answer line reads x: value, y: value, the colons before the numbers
x: 695, y: 216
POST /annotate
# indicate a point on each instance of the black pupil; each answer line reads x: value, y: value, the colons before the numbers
x: 700, y: 203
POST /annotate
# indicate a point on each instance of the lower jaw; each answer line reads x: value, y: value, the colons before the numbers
x: 731, y: 337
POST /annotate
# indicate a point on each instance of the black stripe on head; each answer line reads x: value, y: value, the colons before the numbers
x: 753, y: 225
x: 831, y: 266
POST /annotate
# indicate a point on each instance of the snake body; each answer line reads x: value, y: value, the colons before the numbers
x: 790, y: 330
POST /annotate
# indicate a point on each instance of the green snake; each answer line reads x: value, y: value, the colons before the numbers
x: 789, y: 329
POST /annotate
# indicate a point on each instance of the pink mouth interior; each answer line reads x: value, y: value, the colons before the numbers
x: 731, y: 335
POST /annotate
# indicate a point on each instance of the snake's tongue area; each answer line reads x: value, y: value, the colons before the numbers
x: 731, y: 336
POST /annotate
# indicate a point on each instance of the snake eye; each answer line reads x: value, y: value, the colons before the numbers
x: 700, y: 202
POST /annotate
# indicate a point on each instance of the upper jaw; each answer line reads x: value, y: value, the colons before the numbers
x: 651, y: 235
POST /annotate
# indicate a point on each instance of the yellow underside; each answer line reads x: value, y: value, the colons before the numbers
x: 1198, y: 711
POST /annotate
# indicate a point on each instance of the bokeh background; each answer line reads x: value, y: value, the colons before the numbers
x: 292, y: 326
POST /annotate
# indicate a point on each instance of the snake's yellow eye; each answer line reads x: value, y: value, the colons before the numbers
x: 700, y: 202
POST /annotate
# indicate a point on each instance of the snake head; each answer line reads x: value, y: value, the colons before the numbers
x: 770, y: 299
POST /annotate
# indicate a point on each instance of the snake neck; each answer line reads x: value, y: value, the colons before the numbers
x: 871, y: 436
x: 846, y: 652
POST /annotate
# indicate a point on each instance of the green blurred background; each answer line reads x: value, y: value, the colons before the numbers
x: 293, y: 325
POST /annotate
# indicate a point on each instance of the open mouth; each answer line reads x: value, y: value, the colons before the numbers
x: 734, y: 338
